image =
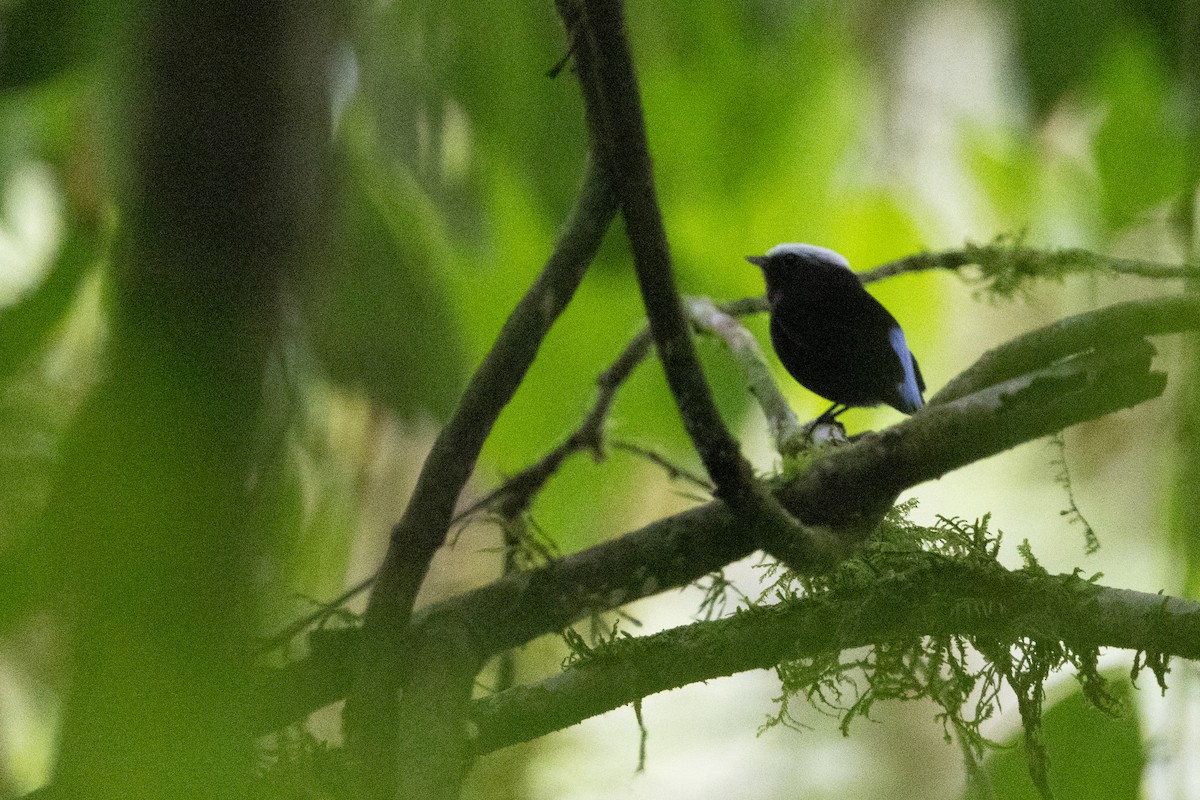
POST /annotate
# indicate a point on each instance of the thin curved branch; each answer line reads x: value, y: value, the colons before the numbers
x: 1005, y: 265
x: 786, y: 429
x: 516, y: 493
x: 622, y: 137
x: 674, y: 471
x: 953, y: 599
x: 426, y: 520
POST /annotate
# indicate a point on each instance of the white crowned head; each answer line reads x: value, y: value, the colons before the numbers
x: 812, y: 251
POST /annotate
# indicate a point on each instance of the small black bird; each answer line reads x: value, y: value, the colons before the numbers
x: 834, y: 338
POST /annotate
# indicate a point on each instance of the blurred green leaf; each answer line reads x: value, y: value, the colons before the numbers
x: 1092, y: 755
x: 42, y: 39
x: 1141, y: 147
x: 462, y: 98
x: 27, y: 325
x: 1063, y: 43
x: 382, y: 320
x: 520, y: 119
x: 1057, y: 40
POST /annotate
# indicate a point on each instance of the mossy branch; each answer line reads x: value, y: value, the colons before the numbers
x: 515, y: 494
x: 847, y: 489
x: 1006, y: 266
x: 950, y: 599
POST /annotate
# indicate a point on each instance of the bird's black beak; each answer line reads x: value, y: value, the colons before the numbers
x: 758, y: 261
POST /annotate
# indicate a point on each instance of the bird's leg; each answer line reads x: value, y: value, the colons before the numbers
x: 828, y: 418
x: 831, y: 414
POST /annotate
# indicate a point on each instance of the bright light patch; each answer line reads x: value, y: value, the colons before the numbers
x: 30, y: 229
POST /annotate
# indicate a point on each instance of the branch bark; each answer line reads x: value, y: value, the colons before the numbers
x: 785, y: 427
x: 370, y: 712
x: 1006, y: 265
x: 845, y: 488
x: 1091, y: 330
x: 952, y: 599
x: 621, y: 134
x: 517, y: 492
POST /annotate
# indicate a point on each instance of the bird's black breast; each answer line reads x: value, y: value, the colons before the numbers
x: 836, y: 340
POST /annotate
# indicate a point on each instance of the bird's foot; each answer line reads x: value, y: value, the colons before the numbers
x: 824, y: 431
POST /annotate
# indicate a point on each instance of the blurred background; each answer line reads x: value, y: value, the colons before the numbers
x: 876, y: 128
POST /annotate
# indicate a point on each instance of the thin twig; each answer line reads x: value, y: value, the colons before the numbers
x: 1007, y: 263
x: 786, y: 429
x: 673, y: 470
x: 517, y: 492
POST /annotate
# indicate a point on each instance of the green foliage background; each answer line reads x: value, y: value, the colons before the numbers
x: 456, y: 158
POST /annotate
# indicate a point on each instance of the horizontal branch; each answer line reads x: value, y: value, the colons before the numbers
x: 521, y: 606
x: 951, y: 599
x: 517, y: 492
x: 846, y: 488
x: 851, y: 487
x: 1005, y: 265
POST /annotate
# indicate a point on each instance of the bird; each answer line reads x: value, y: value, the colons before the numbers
x: 834, y: 338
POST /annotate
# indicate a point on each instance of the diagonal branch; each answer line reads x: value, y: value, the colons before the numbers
x: 426, y: 521
x: 515, y: 494
x: 1090, y: 330
x: 852, y: 487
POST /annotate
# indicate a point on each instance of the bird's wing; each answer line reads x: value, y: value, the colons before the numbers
x: 910, y: 385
